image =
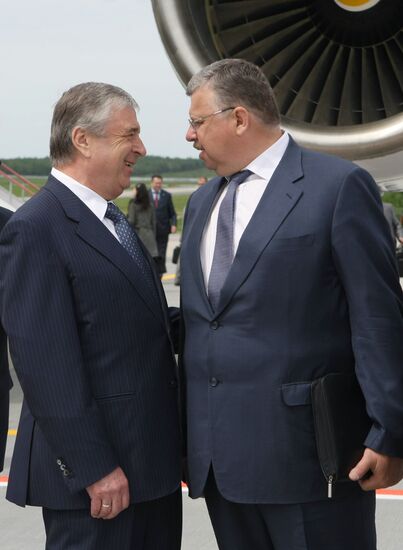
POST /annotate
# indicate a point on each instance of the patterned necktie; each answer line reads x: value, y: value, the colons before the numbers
x: 129, y: 240
x: 224, y: 244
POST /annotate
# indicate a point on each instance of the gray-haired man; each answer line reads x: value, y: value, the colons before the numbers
x: 98, y: 440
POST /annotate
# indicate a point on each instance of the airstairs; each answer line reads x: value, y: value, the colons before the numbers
x: 18, y: 190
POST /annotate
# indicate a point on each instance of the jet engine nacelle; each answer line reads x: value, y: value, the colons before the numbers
x: 336, y: 67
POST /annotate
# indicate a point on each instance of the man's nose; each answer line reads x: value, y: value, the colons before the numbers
x: 140, y: 148
x: 191, y: 134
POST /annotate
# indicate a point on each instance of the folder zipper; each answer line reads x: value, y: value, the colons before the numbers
x: 330, y: 486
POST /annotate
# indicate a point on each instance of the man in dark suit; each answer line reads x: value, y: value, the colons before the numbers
x: 98, y: 437
x: 165, y: 217
x: 286, y: 277
x: 394, y: 225
x: 5, y: 378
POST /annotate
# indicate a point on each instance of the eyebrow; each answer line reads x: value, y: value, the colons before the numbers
x: 130, y: 130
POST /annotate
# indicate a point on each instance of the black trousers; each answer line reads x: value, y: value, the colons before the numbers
x: 154, y: 525
x: 332, y: 524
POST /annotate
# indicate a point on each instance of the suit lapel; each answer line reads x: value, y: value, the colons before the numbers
x: 196, y: 234
x: 100, y: 238
x: 94, y: 233
x: 280, y: 197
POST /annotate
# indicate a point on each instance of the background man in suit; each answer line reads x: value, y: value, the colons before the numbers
x: 98, y: 436
x: 395, y: 228
x: 5, y: 379
x: 301, y: 281
x: 165, y: 217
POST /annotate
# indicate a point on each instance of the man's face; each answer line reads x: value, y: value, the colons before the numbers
x: 156, y: 184
x: 214, y: 136
x: 114, y: 154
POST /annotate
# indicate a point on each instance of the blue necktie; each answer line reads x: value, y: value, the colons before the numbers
x: 129, y: 240
x: 224, y: 244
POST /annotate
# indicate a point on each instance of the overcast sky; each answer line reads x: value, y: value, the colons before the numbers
x: 47, y: 46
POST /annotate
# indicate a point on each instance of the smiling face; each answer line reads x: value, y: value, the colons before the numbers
x: 215, y: 136
x: 112, y: 156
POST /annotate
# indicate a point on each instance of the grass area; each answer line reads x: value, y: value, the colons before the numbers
x: 194, y: 174
x: 168, y: 182
x: 41, y: 180
x: 179, y: 204
x: 180, y: 199
x: 17, y: 191
x: 395, y: 198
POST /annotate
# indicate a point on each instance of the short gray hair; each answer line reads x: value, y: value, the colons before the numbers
x: 88, y: 106
x: 239, y: 82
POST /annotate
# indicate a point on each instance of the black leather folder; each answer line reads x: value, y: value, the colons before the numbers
x: 341, y: 424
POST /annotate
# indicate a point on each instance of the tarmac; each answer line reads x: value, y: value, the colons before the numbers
x: 22, y: 528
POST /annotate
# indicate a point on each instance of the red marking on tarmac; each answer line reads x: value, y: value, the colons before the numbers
x: 392, y: 492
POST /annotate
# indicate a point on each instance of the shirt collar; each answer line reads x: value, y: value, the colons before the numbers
x: 90, y: 198
x: 265, y: 164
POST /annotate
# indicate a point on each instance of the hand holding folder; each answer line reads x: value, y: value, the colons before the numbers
x: 377, y: 471
x: 341, y: 425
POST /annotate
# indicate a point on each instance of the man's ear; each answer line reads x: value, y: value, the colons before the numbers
x: 242, y: 118
x: 81, y: 141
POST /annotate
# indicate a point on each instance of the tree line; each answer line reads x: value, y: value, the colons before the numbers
x: 145, y: 167
x: 150, y: 165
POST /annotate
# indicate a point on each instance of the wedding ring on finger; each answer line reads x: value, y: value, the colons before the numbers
x: 106, y: 505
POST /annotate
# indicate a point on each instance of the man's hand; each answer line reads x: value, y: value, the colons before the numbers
x: 383, y: 471
x: 173, y: 228
x: 109, y: 495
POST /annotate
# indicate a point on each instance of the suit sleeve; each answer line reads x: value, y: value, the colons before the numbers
x: 39, y: 316
x: 171, y: 211
x: 365, y: 260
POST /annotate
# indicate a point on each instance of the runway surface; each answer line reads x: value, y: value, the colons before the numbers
x: 22, y: 529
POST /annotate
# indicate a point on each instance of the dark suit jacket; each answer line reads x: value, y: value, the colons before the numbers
x: 80, y: 317
x: 165, y: 212
x: 5, y: 379
x: 313, y: 289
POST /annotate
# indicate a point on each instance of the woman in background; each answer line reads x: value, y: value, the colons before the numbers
x: 141, y: 216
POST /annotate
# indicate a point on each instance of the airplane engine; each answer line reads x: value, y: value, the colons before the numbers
x: 336, y: 67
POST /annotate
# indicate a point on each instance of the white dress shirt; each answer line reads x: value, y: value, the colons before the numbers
x: 92, y: 200
x: 247, y: 198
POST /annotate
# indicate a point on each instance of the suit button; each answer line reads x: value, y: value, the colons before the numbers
x: 213, y: 382
x: 173, y: 383
x: 214, y: 325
